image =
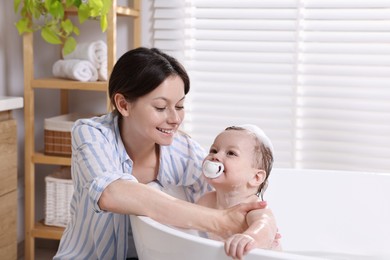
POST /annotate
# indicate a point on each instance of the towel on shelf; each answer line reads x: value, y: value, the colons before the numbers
x: 81, y: 70
x: 102, y: 71
x: 95, y: 52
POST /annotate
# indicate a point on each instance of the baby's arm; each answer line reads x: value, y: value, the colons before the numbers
x: 261, y: 233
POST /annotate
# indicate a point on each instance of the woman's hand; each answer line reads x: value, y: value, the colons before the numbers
x: 233, y: 219
x: 262, y: 232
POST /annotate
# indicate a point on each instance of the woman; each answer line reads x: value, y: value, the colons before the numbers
x: 115, y: 155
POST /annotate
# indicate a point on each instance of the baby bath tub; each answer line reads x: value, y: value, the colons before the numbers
x: 320, y: 214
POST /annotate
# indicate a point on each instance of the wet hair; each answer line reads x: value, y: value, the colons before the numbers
x: 262, y: 159
x: 141, y: 70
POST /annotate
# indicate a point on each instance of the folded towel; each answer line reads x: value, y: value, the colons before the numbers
x: 102, y: 71
x: 81, y: 70
x: 95, y: 52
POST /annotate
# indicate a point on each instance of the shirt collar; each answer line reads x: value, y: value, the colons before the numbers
x: 121, y: 147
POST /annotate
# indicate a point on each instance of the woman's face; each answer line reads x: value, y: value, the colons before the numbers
x: 234, y: 149
x: 157, y: 116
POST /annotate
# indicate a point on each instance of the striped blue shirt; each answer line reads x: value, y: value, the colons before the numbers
x: 99, y: 158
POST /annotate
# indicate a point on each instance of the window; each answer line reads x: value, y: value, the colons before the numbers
x: 315, y: 75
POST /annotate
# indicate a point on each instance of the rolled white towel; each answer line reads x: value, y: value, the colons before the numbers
x: 102, y: 71
x: 95, y: 52
x: 81, y: 70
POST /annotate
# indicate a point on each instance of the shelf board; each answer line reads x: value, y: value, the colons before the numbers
x: 40, y: 230
x: 56, y: 83
x: 120, y: 10
x: 127, y: 11
x: 51, y: 159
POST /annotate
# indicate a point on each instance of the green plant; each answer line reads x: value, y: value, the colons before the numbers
x: 49, y: 17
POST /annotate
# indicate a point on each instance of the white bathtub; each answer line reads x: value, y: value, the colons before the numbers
x: 320, y: 214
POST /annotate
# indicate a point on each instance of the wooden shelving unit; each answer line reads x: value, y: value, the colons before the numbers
x: 36, y: 229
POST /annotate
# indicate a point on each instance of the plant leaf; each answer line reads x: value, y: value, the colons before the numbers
x: 67, y: 26
x: 106, y: 6
x: 96, y: 4
x: 77, y: 3
x: 69, y: 46
x: 50, y: 36
x: 76, y: 30
x: 103, y: 22
x: 47, y: 4
x: 16, y: 5
x: 22, y: 26
x: 96, y: 7
x: 69, y: 3
x: 83, y: 13
x: 56, y: 9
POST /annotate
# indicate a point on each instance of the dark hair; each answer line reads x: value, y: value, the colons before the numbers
x: 263, y: 159
x: 141, y: 70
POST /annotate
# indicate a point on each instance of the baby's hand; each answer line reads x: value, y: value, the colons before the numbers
x: 238, y: 245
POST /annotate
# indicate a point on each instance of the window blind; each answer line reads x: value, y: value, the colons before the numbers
x: 169, y: 26
x: 315, y: 75
x: 343, y: 108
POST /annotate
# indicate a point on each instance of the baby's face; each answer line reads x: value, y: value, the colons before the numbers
x: 234, y: 149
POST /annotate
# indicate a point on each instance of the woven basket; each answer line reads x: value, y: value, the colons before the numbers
x: 57, y: 134
x: 59, y: 191
x: 57, y: 143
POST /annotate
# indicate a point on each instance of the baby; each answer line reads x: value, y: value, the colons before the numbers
x: 238, y: 166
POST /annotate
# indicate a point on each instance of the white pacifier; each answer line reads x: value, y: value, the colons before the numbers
x: 212, y: 169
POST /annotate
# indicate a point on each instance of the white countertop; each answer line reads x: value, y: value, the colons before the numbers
x: 10, y: 103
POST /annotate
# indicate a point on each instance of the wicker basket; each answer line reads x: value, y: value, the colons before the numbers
x: 57, y: 134
x: 59, y: 191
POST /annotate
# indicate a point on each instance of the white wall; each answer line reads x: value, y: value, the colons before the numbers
x: 11, y: 84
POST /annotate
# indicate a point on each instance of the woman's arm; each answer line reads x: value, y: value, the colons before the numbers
x: 130, y: 197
